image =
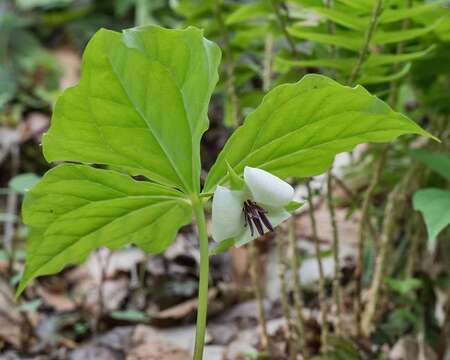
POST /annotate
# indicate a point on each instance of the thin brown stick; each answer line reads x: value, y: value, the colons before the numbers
x: 337, y: 293
x: 258, y: 295
x: 297, y: 289
x: 267, y: 63
x: 396, y: 203
x: 416, y: 235
x: 101, y: 296
x: 11, y: 202
x: 444, y: 337
x: 281, y: 272
x: 378, y: 168
x: 322, y: 295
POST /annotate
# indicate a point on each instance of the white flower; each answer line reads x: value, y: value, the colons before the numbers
x: 252, y: 211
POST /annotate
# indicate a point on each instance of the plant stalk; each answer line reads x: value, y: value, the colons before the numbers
x: 229, y: 65
x: 322, y: 299
x: 283, y: 25
x: 397, y: 202
x: 377, y: 9
x: 361, y: 234
x: 202, y: 309
x: 337, y: 293
x: 267, y: 63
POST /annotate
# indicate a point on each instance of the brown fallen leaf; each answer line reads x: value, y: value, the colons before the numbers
x: 148, y: 344
x: 184, y: 311
x: 59, y: 301
x: 113, y: 263
x: 33, y: 126
x: 347, y: 228
x: 12, y: 323
x: 70, y: 61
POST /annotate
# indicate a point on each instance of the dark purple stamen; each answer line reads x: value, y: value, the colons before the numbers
x: 255, y: 215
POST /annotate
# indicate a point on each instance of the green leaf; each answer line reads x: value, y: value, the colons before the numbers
x: 236, y: 182
x: 293, y: 206
x: 344, y: 18
x: 438, y: 162
x: 375, y: 60
x: 23, y: 182
x: 141, y: 104
x: 404, y: 286
x: 131, y: 316
x: 247, y: 12
x: 76, y: 209
x: 390, y: 37
x: 367, y: 79
x: 345, y: 39
x: 222, y: 246
x: 392, y: 15
x: 299, y: 128
x: 344, y: 64
x: 366, y: 5
x: 434, y: 204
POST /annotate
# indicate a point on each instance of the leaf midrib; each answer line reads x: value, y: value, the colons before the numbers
x: 148, y: 123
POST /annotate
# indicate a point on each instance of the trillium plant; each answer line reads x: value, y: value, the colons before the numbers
x: 127, y: 140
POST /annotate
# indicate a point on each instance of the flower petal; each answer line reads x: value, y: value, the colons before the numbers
x: 227, y: 216
x: 245, y: 237
x: 267, y: 189
x: 276, y: 217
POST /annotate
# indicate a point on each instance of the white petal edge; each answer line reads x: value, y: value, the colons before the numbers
x: 276, y: 217
x: 227, y: 217
x: 267, y: 189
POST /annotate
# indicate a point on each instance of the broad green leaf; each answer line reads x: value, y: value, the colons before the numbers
x: 439, y: 162
x: 141, y: 104
x: 434, y: 204
x: 76, y: 209
x: 299, y: 128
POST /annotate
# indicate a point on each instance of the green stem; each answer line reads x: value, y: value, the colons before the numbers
x: 282, y: 22
x: 141, y: 12
x: 228, y: 64
x: 204, y: 277
x: 377, y: 9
